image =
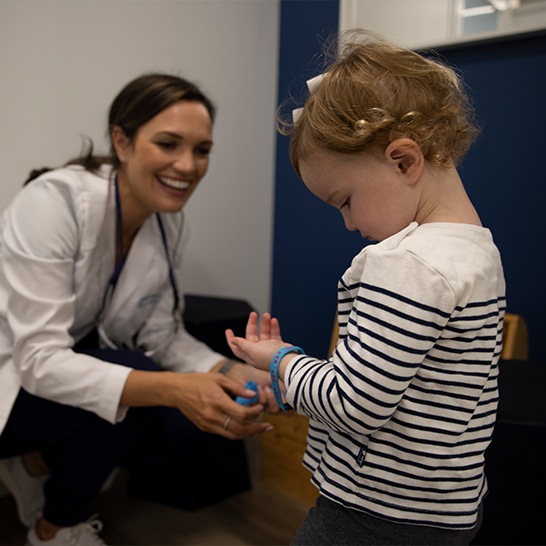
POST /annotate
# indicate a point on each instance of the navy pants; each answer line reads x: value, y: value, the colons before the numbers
x: 82, y: 449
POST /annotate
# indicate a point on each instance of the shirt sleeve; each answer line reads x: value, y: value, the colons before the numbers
x: 391, y: 311
x: 40, y: 240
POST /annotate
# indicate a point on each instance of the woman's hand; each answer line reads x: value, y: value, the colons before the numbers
x: 242, y: 373
x: 206, y: 401
x: 204, y: 398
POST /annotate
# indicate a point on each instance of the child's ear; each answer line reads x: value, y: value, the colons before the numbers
x: 120, y: 142
x: 406, y: 157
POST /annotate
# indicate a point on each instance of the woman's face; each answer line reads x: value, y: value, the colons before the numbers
x: 169, y: 155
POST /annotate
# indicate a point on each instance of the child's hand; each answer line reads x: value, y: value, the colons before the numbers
x: 260, y: 344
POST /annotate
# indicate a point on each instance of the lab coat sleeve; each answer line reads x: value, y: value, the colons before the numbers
x: 40, y: 238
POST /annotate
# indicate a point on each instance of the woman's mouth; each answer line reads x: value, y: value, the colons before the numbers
x: 174, y: 183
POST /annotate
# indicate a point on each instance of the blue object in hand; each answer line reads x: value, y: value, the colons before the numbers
x: 251, y: 385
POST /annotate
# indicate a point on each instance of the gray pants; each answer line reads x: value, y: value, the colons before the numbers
x: 329, y: 523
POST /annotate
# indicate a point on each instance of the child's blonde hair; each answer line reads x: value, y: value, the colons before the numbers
x: 375, y: 92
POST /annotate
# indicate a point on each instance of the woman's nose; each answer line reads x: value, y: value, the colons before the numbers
x: 185, y: 162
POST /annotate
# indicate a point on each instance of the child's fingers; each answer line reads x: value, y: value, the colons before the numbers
x: 234, y: 344
x: 265, y: 326
x: 251, y: 332
x: 275, y: 329
x: 231, y: 344
x: 229, y: 337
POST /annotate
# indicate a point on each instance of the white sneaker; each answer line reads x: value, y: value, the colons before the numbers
x: 83, y: 534
x: 27, y: 490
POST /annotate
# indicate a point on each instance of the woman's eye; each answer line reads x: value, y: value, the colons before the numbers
x: 166, y: 145
x: 203, y: 150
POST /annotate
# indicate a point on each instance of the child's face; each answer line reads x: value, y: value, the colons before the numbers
x: 369, y: 190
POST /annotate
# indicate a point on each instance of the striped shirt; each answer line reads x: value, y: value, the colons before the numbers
x: 401, y: 414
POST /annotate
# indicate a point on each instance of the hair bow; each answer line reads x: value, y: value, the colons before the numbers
x: 312, y: 85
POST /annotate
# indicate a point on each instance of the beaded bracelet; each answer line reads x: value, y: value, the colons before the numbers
x: 274, y: 373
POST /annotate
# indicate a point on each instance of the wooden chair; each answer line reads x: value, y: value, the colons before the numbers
x: 515, y: 338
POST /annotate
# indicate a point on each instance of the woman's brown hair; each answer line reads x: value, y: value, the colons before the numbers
x: 136, y: 104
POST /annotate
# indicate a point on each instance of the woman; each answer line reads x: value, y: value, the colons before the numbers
x: 90, y: 313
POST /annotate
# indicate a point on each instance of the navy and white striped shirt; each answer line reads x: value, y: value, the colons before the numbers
x: 401, y: 414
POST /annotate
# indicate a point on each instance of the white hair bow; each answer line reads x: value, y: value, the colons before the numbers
x: 312, y: 85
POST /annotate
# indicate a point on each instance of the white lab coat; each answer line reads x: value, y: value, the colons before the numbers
x: 57, y: 253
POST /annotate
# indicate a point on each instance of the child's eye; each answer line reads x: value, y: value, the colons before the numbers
x: 347, y: 203
x: 203, y: 150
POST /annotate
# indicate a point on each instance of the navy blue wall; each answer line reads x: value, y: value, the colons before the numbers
x: 309, y: 254
x: 504, y: 175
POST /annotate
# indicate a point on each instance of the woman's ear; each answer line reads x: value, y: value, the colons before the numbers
x: 120, y: 142
x: 406, y: 157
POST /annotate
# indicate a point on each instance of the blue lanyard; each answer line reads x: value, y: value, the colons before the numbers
x: 119, y: 228
x: 121, y: 258
x: 171, y: 271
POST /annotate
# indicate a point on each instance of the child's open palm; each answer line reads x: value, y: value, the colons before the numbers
x: 260, y: 343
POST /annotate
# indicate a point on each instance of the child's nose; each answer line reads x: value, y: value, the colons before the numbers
x: 347, y: 219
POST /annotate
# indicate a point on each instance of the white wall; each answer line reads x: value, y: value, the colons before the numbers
x: 63, y: 61
x: 420, y: 24
x: 410, y: 23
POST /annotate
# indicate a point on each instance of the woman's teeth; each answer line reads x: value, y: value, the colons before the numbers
x: 175, y: 184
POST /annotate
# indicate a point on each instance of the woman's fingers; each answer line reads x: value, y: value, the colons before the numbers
x: 234, y: 430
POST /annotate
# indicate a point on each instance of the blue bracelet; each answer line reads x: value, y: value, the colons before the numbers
x: 274, y: 373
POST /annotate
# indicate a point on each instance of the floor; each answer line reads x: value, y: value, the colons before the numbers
x: 256, y: 517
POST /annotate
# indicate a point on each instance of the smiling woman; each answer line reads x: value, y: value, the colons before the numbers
x: 90, y: 311
x: 161, y: 168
